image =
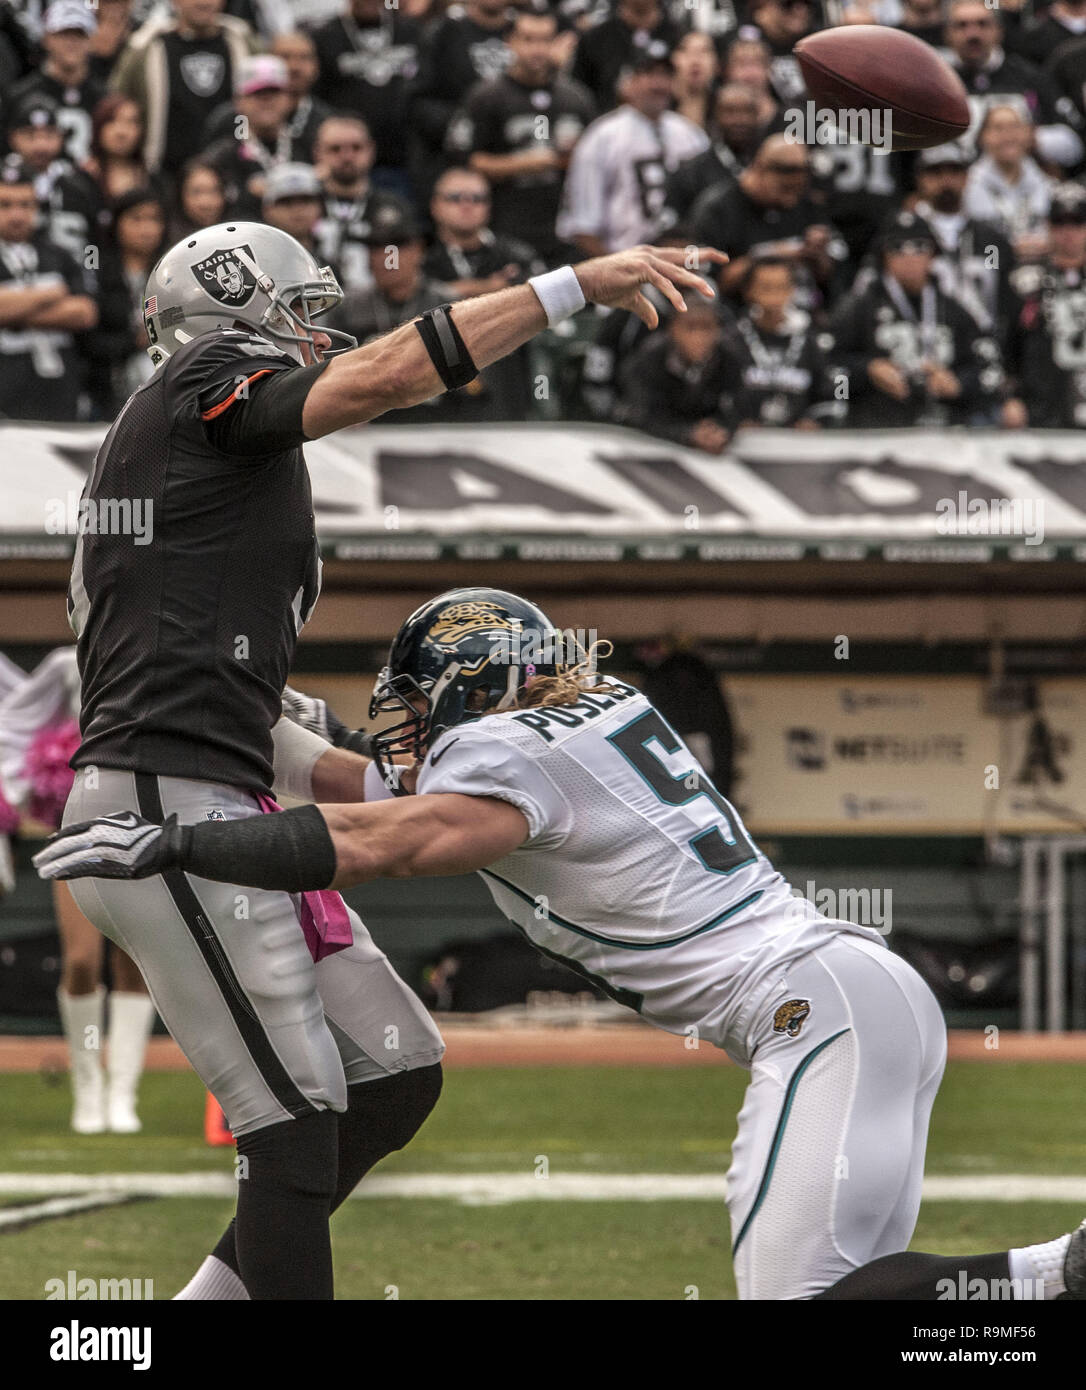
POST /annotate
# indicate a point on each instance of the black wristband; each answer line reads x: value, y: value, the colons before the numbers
x: 289, y: 851
x: 447, y: 349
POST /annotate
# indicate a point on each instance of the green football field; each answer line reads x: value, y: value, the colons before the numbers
x: 992, y: 1119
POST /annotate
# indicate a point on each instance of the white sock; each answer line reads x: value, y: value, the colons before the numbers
x: 1043, y: 1261
x: 213, y: 1280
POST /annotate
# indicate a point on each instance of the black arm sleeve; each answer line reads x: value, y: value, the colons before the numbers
x: 267, y: 417
x: 289, y: 851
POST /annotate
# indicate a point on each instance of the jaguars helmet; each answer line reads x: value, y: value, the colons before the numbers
x: 239, y: 272
x: 466, y: 653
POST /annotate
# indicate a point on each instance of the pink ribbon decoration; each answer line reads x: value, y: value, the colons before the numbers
x: 325, y: 921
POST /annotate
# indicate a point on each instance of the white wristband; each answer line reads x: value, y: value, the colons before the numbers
x: 559, y: 291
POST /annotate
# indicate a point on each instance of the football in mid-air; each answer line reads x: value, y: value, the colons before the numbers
x: 889, y: 74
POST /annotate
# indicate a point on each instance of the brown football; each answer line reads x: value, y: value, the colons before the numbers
x: 889, y: 74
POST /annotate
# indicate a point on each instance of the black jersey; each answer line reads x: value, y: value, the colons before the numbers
x: 199, y: 78
x: 506, y: 116
x: 1050, y: 345
x: 778, y: 378
x: 881, y: 321
x: 41, y: 369
x: 367, y: 70
x: 185, y: 641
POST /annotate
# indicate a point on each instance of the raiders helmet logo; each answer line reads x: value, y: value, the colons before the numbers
x: 791, y: 1016
x: 225, y: 278
x: 203, y: 73
x: 462, y: 619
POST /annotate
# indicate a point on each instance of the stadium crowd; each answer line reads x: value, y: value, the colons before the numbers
x: 428, y: 154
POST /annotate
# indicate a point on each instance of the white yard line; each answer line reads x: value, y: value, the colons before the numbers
x: 29, y: 1215
x: 486, y: 1189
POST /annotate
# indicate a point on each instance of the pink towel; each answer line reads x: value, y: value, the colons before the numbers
x: 324, y: 917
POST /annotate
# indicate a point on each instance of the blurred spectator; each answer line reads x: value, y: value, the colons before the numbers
x: 293, y: 202
x: 1050, y: 361
x: 735, y: 133
x: 776, y: 370
x: 748, y: 61
x: 344, y: 156
x: 914, y: 355
x: 64, y: 75
x: 1037, y: 41
x: 115, y: 28
x: 769, y: 212
x: 268, y: 18
x: 368, y: 59
x: 1067, y: 70
x: 201, y: 200
x: 519, y: 130
x: 1006, y: 185
x: 260, y: 139
x: 80, y: 201
x: 925, y: 19
x: 464, y: 47
x: 973, y: 260
x: 34, y: 134
x: 607, y: 49
x: 697, y: 68
x: 307, y: 112
x: 674, y: 386
x: 860, y: 187
x: 178, y: 73
x: 401, y: 291
x: 14, y: 47
x: 781, y: 24
x: 117, y: 348
x: 618, y: 335
x: 614, y: 193
x: 43, y: 303
x: 466, y: 257
x: 687, y: 693
x: 990, y: 74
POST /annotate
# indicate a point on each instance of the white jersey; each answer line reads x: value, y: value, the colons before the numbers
x: 614, y: 188
x: 636, y: 872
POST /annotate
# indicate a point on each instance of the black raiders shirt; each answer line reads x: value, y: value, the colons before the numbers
x: 185, y: 643
x: 366, y: 70
x: 503, y: 116
x: 41, y: 371
x: 199, y: 78
x: 1050, y: 343
x: 455, y: 55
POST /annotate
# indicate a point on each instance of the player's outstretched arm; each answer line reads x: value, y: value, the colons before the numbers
x: 398, y: 370
x: 295, y: 851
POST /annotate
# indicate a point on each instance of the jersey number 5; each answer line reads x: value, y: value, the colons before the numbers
x: 722, y: 849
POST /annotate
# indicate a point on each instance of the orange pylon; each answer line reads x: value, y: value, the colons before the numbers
x: 216, y: 1130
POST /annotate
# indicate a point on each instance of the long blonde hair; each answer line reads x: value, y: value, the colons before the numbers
x: 571, y: 682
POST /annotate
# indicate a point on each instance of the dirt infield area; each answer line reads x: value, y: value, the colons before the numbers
x: 477, y: 1044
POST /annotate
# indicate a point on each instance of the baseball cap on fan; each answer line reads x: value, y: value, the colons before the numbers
x: 65, y: 15
x: 291, y: 181
x: 644, y: 57
x: 35, y: 110
x: 906, y: 231
x: 1068, y: 204
x: 952, y: 155
x: 262, y: 73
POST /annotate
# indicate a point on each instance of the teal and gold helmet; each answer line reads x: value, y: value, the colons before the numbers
x: 466, y: 653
